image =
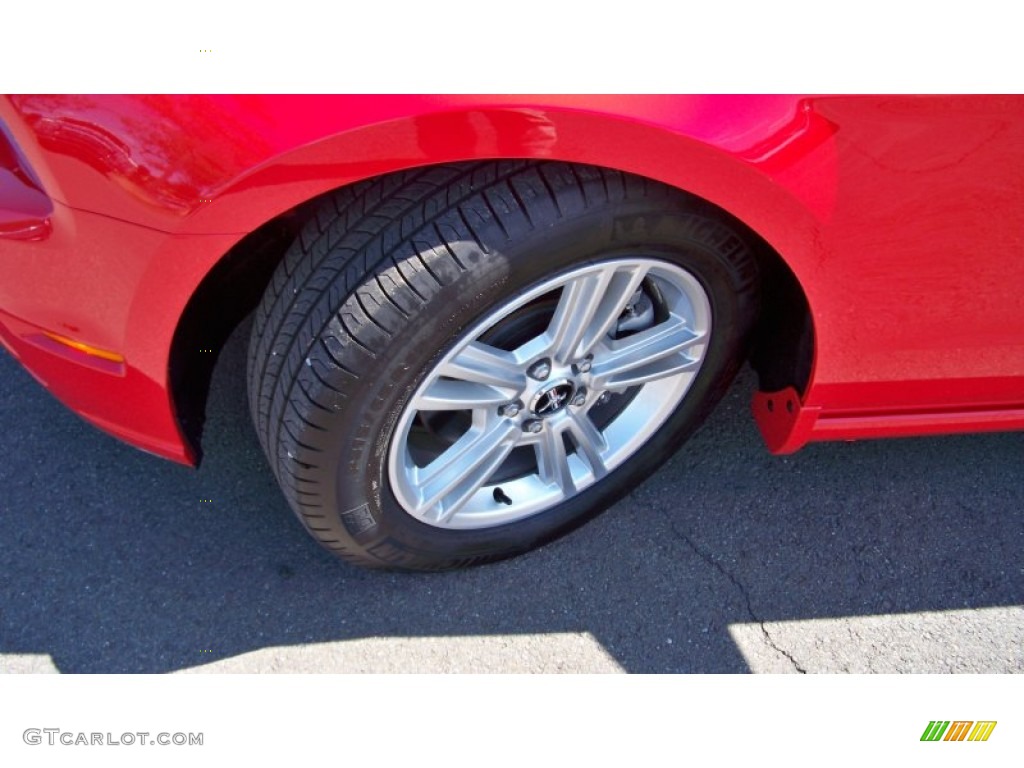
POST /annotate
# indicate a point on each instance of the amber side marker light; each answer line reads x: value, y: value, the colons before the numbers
x: 86, y: 348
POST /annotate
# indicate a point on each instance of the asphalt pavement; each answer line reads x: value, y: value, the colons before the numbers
x: 883, y: 556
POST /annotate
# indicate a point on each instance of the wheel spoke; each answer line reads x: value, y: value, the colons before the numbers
x: 483, y: 364
x: 553, y: 462
x: 647, y: 356
x: 588, y: 307
x: 590, y: 443
x: 448, y: 482
x: 454, y: 395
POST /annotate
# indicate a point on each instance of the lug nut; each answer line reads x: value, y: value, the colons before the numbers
x: 510, y: 409
x: 584, y: 365
x: 579, y: 398
x: 540, y: 370
x: 603, y: 398
x: 533, y: 426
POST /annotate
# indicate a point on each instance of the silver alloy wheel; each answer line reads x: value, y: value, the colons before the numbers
x: 546, y: 391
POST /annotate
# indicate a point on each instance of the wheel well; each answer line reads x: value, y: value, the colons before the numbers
x: 782, y: 349
x: 781, y: 353
x: 228, y: 293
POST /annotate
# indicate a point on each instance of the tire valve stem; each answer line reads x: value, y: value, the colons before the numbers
x: 499, y: 495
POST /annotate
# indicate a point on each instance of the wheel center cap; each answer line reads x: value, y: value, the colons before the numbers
x: 553, y: 398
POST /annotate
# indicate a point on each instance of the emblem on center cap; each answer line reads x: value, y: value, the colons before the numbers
x: 552, y: 398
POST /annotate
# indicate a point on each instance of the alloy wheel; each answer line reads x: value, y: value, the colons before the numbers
x: 549, y: 393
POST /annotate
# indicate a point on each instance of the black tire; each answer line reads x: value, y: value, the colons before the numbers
x: 392, y: 272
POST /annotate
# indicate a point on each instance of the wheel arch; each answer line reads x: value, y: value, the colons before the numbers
x: 271, y: 201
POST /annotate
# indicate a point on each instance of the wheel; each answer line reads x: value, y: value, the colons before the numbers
x: 456, y: 364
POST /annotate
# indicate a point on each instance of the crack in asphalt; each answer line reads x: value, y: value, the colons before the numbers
x: 746, y: 597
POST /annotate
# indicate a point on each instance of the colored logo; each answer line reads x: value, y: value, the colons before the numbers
x: 958, y: 730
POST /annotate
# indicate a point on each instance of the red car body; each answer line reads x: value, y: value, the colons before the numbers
x: 128, y: 226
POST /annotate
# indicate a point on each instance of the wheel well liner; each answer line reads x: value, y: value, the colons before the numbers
x: 228, y: 293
